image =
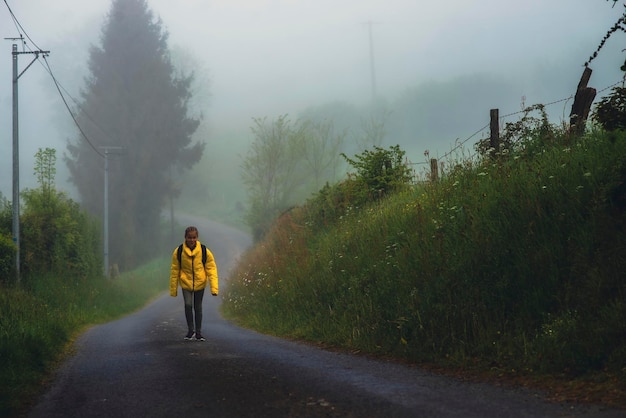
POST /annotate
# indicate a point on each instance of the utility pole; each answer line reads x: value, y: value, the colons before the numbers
x: 16, y: 154
x: 372, y: 66
x: 107, y: 151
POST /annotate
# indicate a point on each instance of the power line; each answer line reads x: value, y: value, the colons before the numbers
x: 60, y: 89
x: 56, y: 83
x: 19, y: 26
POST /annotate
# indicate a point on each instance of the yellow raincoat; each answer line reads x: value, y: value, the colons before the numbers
x: 191, y: 274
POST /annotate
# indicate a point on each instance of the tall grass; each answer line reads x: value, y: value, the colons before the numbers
x: 41, y: 317
x: 516, y: 262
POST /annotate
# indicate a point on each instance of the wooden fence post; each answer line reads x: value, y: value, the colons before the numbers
x: 582, y: 104
x: 434, y: 170
x: 494, y: 124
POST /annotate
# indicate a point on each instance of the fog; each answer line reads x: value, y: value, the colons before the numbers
x: 261, y: 58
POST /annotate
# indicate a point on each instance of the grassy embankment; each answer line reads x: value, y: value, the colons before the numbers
x: 43, y: 315
x: 512, y: 269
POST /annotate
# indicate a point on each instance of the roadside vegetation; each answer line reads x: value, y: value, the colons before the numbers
x: 42, y: 317
x: 510, y: 265
x: 61, y: 290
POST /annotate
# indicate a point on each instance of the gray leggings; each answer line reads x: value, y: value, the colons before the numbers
x: 193, y: 304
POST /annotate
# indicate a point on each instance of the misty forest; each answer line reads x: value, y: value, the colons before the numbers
x: 506, y: 254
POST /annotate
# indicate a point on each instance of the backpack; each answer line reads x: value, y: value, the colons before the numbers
x: 179, y: 254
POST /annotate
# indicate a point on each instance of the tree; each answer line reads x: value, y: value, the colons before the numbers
x: 134, y: 100
x: 321, y: 152
x: 45, y: 169
x: 57, y: 235
x: 271, y: 172
x: 372, y: 132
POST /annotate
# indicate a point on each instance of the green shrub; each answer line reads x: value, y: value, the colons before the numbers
x: 58, y: 236
x: 380, y: 172
x: 7, y: 258
x: 610, y: 112
x: 7, y: 247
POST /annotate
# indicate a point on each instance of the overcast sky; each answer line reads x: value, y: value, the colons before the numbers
x: 269, y: 57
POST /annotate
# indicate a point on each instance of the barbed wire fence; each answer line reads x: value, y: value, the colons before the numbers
x: 431, y: 165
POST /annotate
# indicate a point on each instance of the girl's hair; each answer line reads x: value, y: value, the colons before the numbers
x: 190, y: 229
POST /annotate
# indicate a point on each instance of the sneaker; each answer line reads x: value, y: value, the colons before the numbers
x: 199, y: 337
x: 189, y: 336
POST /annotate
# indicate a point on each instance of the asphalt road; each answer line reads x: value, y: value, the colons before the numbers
x: 140, y: 366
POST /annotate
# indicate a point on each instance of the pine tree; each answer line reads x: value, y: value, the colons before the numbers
x: 132, y: 100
